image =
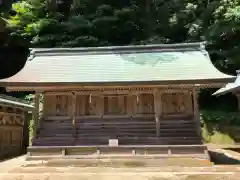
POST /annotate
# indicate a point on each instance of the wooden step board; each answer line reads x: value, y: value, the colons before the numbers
x: 134, y: 131
x: 116, y: 127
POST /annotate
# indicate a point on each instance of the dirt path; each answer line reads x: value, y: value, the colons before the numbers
x: 7, y: 165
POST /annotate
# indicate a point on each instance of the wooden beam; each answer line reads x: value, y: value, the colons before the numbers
x: 77, y: 87
x: 109, y: 92
x: 115, y: 116
x: 56, y: 93
x: 58, y: 118
x: 169, y: 91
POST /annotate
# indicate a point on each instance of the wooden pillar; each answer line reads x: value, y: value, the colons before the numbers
x: 134, y: 98
x: 43, y: 107
x: 36, y: 113
x: 74, y: 114
x: 102, y: 105
x: 22, y: 134
x: 196, y: 112
x: 157, y: 109
x: 40, y: 111
x: 130, y: 104
x: 138, y: 105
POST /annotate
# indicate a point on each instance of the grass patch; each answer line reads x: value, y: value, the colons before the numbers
x: 220, y: 138
x: 216, y: 137
x: 220, y: 127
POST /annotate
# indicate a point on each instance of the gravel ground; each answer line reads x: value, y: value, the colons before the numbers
x: 120, y: 176
x: 19, y: 169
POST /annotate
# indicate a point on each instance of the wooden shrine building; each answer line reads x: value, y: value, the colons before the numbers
x: 138, y: 98
x: 13, y: 126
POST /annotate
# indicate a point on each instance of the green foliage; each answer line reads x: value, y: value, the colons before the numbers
x: 80, y: 23
x: 31, y: 97
x: 98, y: 23
x: 5, y: 5
x: 221, y: 118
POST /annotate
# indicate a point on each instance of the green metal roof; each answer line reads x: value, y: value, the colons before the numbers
x: 123, y: 64
x: 4, y: 99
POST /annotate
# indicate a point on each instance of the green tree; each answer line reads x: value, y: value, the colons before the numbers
x: 55, y: 23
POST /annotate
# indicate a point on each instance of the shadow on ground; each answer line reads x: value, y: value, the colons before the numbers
x: 221, y: 159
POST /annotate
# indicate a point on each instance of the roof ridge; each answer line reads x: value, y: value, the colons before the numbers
x: 129, y: 48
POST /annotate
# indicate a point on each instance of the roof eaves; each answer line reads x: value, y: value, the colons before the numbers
x: 205, y: 52
x: 222, y: 80
x: 226, y: 89
x: 229, y: 87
